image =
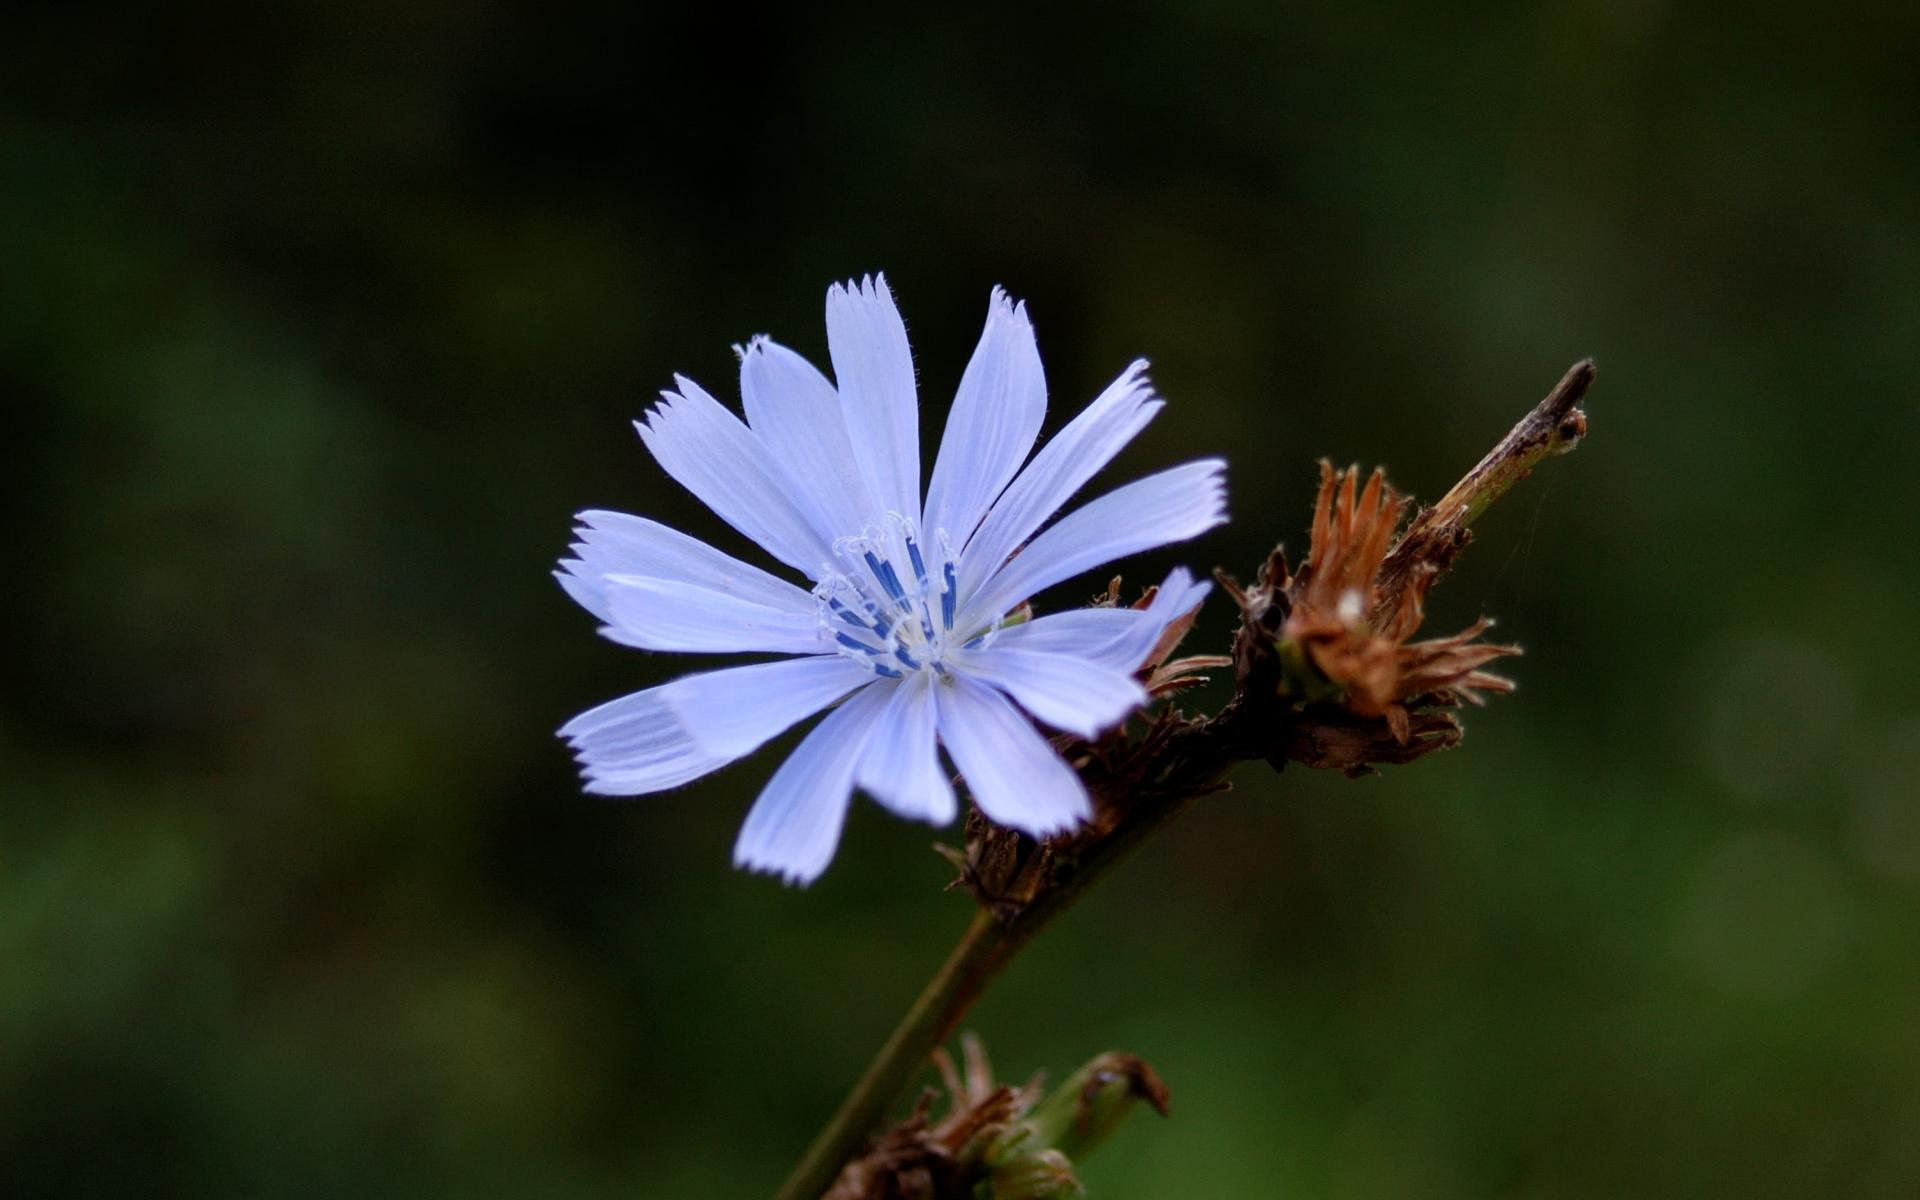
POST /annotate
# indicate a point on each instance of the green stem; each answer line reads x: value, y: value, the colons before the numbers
x: 1554, y: 426
x: 984, y: 948
x: 1430, y: 543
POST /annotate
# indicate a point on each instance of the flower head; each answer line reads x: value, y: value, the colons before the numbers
x: 903, y: 628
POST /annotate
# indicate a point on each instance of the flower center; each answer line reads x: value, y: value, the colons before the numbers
x: 888, y: 600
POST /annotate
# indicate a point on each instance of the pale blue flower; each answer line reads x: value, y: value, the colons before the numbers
x: 904, y: 625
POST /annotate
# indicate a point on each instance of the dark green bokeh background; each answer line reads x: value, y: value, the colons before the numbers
x: 318, y: 321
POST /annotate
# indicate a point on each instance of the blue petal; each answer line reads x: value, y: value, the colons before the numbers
x: 797, y: 416
x: 634, y: 745
x: 794, y: 827
x: 1015, y: 776
x: 996, y: 415
x: 698, y: 442
x: 901, y: 768
x: 1061, y: 468
x: 873, y: 365
x: 734, y: 710
x: 659, y: 614
x: 614, y: 543
x: 1113, y: 637
x: 1168, y: 507
x: 1061, y: 690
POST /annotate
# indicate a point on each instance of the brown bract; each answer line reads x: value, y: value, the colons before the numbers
x: 996, y: 1133
x: 1355, y: 635
x: 920, y: 1159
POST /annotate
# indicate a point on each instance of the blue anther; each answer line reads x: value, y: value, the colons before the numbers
x: 884, y: 572
x: 947, y: 597
x: 855, y: 644
x: 919, y: 568
x: 842, y: 611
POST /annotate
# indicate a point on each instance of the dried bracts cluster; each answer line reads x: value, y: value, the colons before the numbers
x: 1328, y: 674
x: 1001, y: 1140
x: 1331, y: 646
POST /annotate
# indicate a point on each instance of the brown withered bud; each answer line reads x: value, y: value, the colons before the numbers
x: 1017, y: 1137
x: 1332, y: 644
x: 1357, y: 641
x: 920, y: 1159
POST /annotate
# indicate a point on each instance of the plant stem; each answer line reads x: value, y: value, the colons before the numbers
x: 1553, y: 427
x: 1438, y: 534
x: 983, y: 949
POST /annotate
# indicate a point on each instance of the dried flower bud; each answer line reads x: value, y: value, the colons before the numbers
x: 920, y: 1159
x: 1085, y: 1110
x: 1355, y: 636
x: 1333, y: 639
x: 1006, y: 1138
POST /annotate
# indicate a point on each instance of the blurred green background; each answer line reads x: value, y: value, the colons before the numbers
x: 317, y: 322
